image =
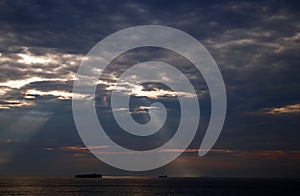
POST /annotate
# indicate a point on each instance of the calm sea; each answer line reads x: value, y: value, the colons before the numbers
x: 148, y: 186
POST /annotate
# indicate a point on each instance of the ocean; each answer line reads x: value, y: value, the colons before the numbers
x: 149, y: 186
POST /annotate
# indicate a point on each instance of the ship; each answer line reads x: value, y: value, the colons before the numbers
x: 88, y: 175
x: 164, y: 176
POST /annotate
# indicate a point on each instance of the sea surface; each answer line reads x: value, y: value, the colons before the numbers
x: 149, y: 186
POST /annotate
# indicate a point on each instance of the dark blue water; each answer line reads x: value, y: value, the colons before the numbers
x: 149, y: 186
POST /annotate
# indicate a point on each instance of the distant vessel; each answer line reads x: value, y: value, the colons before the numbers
x: 165, y: 176
x: 88, y: 176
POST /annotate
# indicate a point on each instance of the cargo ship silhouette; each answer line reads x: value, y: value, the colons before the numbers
x: 164, y: 176
x: 88, y: 175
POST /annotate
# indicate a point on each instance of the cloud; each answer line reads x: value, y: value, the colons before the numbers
x: 270, y: 154
x: 242, y: 48
x: 23, y: 82
x: 263, y: 154
x: 35, y: 72
x: 15, y: 103
x: 7, y: 140
x: 288, y: 109
x: 75, y: 148
x: 62, y: 95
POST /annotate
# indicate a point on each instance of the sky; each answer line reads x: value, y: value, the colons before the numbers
x: 256, y: 45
